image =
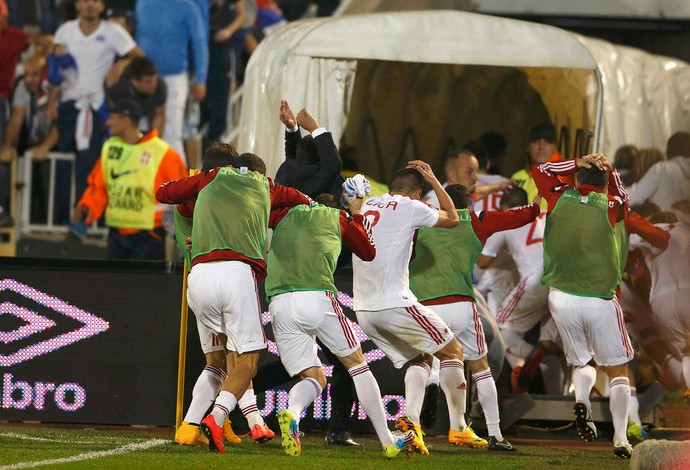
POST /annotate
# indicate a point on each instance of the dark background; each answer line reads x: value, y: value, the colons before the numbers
x: 129, y: 372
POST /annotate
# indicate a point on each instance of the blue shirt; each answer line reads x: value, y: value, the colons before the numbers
x: 165, y: 29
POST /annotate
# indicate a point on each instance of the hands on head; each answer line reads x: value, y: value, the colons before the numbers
x: 597, y: 160
x: 424, y: 169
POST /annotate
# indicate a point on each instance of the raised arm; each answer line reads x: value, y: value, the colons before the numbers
x: 179, y: 191
x: 447, y: 214
x: 490, y: 222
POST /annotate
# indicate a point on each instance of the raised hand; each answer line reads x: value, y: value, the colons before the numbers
x: 287, y: 117
x: 307, y: 121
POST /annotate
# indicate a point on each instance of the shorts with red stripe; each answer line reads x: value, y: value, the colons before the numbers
x: 591, y: 328
x: 225, y: 298
x: 404, y: 332
x: 299, y: 316
x: 525, y: 306
x: 463, y: 320
x: 210, y: 341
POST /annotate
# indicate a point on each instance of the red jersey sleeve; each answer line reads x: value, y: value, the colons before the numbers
x: 490, y: 222
x: 356, y: 234
x: 655, y: 236
x: 276, y: 216
x: 284, y: 196
x: 179, y: 191
x: 546, y: 179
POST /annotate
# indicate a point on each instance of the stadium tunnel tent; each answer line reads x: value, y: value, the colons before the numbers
x: 403, y: 85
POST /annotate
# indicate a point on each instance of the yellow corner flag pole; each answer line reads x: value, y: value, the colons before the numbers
x: 182, y: 356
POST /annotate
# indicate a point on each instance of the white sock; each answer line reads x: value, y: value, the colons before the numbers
x: 204, y: 393
x: 619, y: 401
x: 434, y: 374
x: 454, y: 386
x: 686, y: 370
x: 415, y: 384
x: 369, y: 395
x: 514, y: 360
x: 553, y: 375
x: 634, y: 407
x: 584, y: 378
x: 249, y: 409
x: 488, y: 398
x: 225, y: 403
x: 515, y: 344
x: 302, y: 395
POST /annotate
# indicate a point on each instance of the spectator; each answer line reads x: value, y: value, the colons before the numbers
x: 227, y: 39
x: 495, y: 144
x: 13, y: 42
x: 165, y: 28
x: 666, y: 181
x: 626, y: 161
x: 140, y: 82
x: 132, y: 166
x: 312, y: 163
x: 29, y: 129
x: 86, y: 49
x: 542, y: 148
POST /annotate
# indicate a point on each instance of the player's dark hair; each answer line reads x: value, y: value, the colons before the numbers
x: 252, y: 161
x: 593, y: 176
x: 406, y: 181
x: 141, y: 67
x: 218, y: 154
x: 459, y: 195
x: 327, y: 199
x: 515, y: 198
x: 646, y: 209
x: 306, y: 152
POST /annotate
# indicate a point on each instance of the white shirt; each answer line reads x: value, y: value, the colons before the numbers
x: 432, y: 199
x: 525, y: 243
x: 94, y: 55
x: 384, y: 282
x: 670, y: 269
x: 664, y: 183
x: 492, y: 202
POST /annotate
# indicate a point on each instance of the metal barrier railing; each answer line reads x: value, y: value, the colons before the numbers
x: 25, y: 185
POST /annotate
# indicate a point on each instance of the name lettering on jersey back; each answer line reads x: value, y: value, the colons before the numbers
x: 382, y: 204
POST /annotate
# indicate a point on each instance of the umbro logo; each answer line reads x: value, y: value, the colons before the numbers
x: 115, y: 176
x: 28, y: 323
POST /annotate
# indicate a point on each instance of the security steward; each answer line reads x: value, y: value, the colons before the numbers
x: 123, y: 183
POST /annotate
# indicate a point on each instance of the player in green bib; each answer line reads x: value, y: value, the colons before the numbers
x: 441, y: 279
x: 582, y: 268
x: 304, y: 251
x: 230, y: 209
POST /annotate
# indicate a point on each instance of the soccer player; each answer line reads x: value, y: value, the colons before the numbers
x: 582, y: 269
x: 387, y: 311
x: 230, y: 223
x: 441, y: 278
x: 669, y: 296
x: 214, y: 373
x: 527, y: 304
x: 303, y: 305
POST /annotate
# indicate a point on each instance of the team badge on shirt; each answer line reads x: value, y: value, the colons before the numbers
x: 145, y: 157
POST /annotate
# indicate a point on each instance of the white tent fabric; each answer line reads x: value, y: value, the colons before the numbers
x: 313, y: 63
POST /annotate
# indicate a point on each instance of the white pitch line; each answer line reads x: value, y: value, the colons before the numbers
x: 89, y: 455
x: 60, y: 439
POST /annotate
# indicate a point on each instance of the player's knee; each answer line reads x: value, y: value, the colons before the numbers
x: 216, y: 359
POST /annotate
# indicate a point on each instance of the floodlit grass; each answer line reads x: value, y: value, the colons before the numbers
x: 20, y: 447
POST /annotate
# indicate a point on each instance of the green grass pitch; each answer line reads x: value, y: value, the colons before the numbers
x: 29, y: 447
